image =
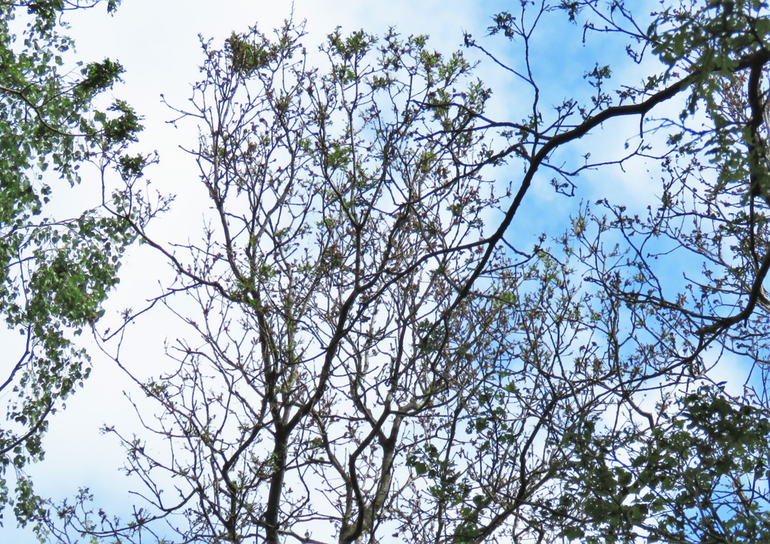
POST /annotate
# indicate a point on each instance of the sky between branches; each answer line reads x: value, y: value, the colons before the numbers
x: 157, y: 41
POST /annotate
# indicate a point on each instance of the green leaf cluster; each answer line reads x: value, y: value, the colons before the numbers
x: 55, y: 272
x: 700, y: 474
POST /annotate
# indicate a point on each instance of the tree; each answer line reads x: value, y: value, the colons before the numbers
x: 375, y: 356
x: 55, y: 271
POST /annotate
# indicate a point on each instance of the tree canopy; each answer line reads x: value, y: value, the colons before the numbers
x: 376, y: 352
x: 55, y: 269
